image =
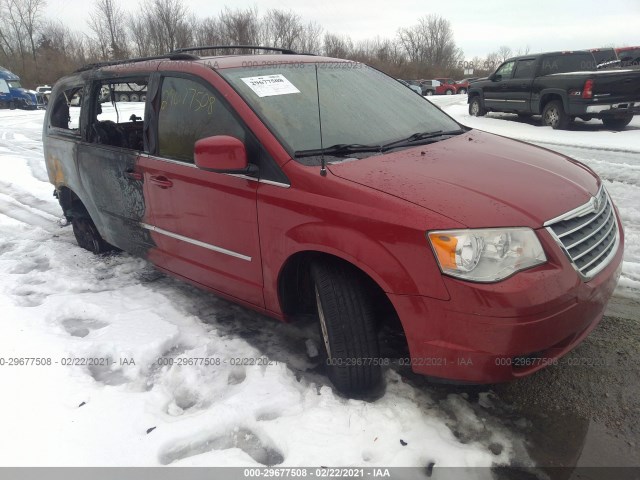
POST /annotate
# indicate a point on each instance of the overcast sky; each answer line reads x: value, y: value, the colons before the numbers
x: 480, y: 26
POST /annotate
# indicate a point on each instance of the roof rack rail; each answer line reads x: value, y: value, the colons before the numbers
x: 169, y: 56
x: 285, y: 51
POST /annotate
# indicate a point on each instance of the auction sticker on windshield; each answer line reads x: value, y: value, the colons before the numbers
x: 269, y: 85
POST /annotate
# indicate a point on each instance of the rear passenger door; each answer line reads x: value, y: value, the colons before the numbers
x: 107, y: 160
x: 204, y: 224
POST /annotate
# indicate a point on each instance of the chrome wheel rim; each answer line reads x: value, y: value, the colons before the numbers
x: 475, y: 108
x: 552, y: 117
x: 323, y: 323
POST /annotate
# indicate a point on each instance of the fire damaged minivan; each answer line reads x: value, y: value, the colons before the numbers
x: 309, y: 187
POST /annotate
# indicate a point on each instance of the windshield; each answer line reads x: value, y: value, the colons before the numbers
x: 358, y: 104
x: 14, y: 84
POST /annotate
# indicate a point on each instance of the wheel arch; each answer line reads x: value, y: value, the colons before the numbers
x: 295, y: 288
x: 547, y: 96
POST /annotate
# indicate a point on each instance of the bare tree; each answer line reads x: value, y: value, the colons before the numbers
x: 430, y: 43
x: 240, y: 27
x: 108, y: 24
x: 504, y: 52
x: 339, y: 46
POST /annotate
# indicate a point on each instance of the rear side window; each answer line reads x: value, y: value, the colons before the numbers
x: 65, y: 112
x: 118, y: 114
x: 524, y: 69
x: 188, y: 112
x: 4, y: 86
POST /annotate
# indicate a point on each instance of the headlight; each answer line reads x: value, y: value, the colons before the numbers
x: 487, y: 255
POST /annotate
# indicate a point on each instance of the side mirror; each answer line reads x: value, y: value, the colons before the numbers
x: 222, y: 154
x: 495, y: 77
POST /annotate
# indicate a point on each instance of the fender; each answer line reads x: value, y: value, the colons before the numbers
x: 373, y: 257
x: 536, y: 99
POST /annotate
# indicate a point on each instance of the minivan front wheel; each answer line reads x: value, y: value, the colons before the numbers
x: 87, y: 235
x: 347, y: 326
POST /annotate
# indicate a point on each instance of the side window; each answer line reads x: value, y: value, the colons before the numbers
x: 524, y: 69
x: 118, y: 114
x: 505, y: 70
x: 65, y: 112
x: 4, y: 86
x: 188, y: 112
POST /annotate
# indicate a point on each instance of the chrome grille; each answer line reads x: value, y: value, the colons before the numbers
x: 588, y: 234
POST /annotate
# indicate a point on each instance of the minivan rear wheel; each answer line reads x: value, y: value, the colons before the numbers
x: 347, y: 327
x: 87, y: 235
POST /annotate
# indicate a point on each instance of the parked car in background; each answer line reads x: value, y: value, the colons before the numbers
x: 429, y: 87
x: 462, y: 86
x: 45, y: 91
x: 12, y: 95
x: 629, y: 56
x: 413, y: 87
x: 447, y: 86
x: 560, y: 86
x: 604, y: 57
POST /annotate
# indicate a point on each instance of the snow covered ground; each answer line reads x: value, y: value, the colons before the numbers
x: 614, y: 156
x: 59, y: 303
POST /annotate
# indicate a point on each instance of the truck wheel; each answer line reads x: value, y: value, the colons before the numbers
x: 617, y: 123
x: 462, y: 91
x: 347, y: 326
x: 449, y: 92
x: 123, y: 97
x: 475, y: 107
x: 554, y: 116
x: 12, y: 105
x: 87, y: 235
x: 134, y: 97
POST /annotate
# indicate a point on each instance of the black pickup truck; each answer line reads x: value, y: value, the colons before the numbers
x: 560, y: 86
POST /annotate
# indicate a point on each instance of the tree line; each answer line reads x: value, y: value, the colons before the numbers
x: 41, y: 50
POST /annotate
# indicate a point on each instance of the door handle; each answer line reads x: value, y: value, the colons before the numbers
x: 134, y: 175
x: 161, y: 181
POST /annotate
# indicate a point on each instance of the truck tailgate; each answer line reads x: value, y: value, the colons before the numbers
x: 621, y: 84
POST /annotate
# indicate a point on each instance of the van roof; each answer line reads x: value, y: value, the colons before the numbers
x: 222, y: 61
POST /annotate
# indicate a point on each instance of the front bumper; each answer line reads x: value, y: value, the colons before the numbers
x: 488, y: 333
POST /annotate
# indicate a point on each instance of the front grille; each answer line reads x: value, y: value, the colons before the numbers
x: 588, y: 234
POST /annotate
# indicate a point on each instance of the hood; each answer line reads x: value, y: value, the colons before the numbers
x: 479, y: 179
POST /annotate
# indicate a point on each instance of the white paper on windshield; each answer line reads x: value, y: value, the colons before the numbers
x: 269, y: 85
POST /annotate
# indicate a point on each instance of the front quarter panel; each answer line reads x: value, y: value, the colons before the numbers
x: 382, y: 235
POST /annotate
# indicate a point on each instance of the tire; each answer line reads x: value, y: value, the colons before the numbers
x: 617, y: 123
x: 462, y: 91
x: 134, y: 97
x: 475, y: 107
x: 449, y: 92
x: 554, y: 116
x: 87, y: 235
x: 429, y: 93
x: 143, y: 97
x: 347, y: 327
x: 12, y: 105
x: 123, y: 97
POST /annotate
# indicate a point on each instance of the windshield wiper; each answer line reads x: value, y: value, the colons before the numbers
x: 417, y: 137
x: 338, y: 149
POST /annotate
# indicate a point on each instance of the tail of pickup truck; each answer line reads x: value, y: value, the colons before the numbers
x: 610, y: 95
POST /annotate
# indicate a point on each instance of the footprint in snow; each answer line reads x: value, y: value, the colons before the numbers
x: 260, y: 450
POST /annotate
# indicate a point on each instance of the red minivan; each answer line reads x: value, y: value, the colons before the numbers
x: 312, y: 187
